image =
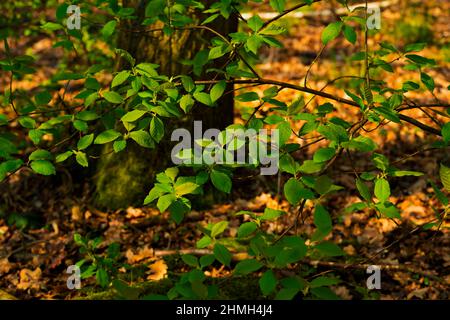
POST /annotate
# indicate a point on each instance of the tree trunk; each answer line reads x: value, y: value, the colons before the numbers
x: 125, y: 178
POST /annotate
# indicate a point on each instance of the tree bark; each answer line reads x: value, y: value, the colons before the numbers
x: 124, y: 179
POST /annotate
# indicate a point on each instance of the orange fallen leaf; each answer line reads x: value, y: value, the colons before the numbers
x: 29, y: 279
x: 158, y: 270
x: 5, y: 266
x: 142, y: 254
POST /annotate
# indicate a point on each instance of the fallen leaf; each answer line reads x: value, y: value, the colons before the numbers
x: 134, y: 213
x: 29, y: 279
x: 77, y: 215
x: 158, y: 270
x: 5, y: 266
x: 142, y: 254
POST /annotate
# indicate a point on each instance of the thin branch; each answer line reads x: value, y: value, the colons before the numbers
x: 263, y: 81
x: 285, y: 12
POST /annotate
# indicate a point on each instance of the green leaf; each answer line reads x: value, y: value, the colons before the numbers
x: 414, y: 47
x: 267, y: 282
x: 40, y: 155
x: 190, y: 260
x: 9, y: 166
x: 410, y: 85
x: 133, y: 116
x: 92, y: 83
x: 113, y: 97
x: 82, y: 159
x: 323, y: 184
x: 108, y: 28
x: 401, y: 173
x: 185, y: 188
x: 361, y: 143
x: 27, y: 122
x: 119, y: 145
x: 120, y: 78
x: 389, y: 114
x: 204, y: 242
x: 324, y: 293
x: 3, y: 120
x: 246, y: 229
x: 292, y: 250
x: 102, y: 277
x: 294, y: 191
x: 204, y: 98
x: 43, y: 98
x: 63, y: 156
x: 43, y: 167
x: 217, y: 90
x: 285, y: 132
x: 446, y: 132
x: 322, y: 221
x: 296, y: 106
x: 278, y: 5
x: 444, y: 173
x: 323, y: 282
x: 310, y: 167
x: 51, y: 26
x: 222, y: 254
x: 247, y: 266
x: 186, y: 103
x: 87, y: 116
x: 329, y: 249
x: 85, y: 142
x: 188, y: 83
x: 355, y: 98
x: 216, y: 52
x: 172, y: 173
x: 331, y: 31
x: 253, y: 43
x: 218, y: 228
x: 210, y: 19
x: 165, y: 201
x: 286, y: 294
x: 287, y: 164
x: 380, y: 161
x: 247, y: 97
x: 178, y: 209
x: 107, y: 136
x: 439, y: 194
x: 388, y: 209
x: 420, y: 60
x: 125, y: 291
x: 207, y: 260
x: 157, y: 129
x: 221, y: 181
x: 271, y: 214
x: 91, y: 99
x: 142, y: 138
x: 255, y: 23
x: 363, y: 190
x: 350, y: 34
x: 80, y: 125
x: 324, y: 154
x: 382, y: 190
x: 427, y: 81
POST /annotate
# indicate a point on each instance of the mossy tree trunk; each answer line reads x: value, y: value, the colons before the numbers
x: 124, y: 179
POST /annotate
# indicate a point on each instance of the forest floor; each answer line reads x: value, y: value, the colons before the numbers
x: 414, y: 259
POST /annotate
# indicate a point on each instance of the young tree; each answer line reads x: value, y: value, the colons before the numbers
x: 122, y: 179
